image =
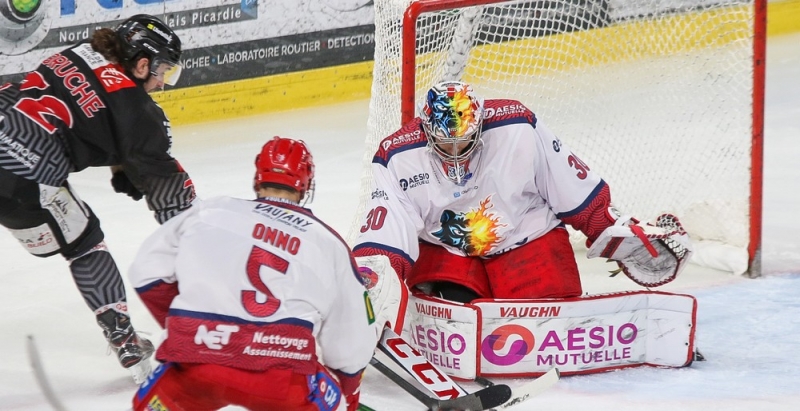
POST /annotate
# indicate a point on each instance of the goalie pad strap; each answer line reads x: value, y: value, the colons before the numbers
x: 637, y: 230
x: 611, y: 247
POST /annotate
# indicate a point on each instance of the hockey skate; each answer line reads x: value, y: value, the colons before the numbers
x: 133, y: 351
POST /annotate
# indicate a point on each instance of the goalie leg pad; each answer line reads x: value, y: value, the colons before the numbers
x: 445, y: 333
x: 527, y: 338
x: 587, y: 335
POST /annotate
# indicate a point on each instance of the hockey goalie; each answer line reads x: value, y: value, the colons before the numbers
x: 464, y: 248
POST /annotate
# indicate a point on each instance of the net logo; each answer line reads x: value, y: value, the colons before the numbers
x: 23, y: 24
x: 496, y: 342
x: 217, y: 338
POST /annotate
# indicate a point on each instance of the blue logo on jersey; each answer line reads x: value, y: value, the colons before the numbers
x: 557, y: 145
x: 154, y: 376
x: 414, y: 181
x: 325, y: 392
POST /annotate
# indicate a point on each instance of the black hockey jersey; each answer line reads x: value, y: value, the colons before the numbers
x: 78, y: 110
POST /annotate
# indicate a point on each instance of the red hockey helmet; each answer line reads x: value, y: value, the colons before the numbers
x: 285, y: 162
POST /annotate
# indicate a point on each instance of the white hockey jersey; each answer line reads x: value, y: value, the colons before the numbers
x: 520, y: 184
x: 255, y: 284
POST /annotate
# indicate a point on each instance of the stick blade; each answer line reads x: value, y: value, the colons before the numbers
x: 533, y: 388
x: 489, y: 397
x: 494, y: 397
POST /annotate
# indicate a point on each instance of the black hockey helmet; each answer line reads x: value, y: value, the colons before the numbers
x: 147, y: 34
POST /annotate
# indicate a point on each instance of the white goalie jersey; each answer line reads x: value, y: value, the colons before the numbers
x: 520, y: 184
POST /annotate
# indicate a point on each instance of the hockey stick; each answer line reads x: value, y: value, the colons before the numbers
x: 484, y: 399
x: 41, y: 376
x: 444, y: 392
x: 529, y: 390
x: 404, y: 355
x: 413, y: 362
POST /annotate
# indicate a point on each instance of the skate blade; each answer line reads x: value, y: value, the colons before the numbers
x: 140, y: 371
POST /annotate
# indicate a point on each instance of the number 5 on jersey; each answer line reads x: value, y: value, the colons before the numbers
x: 258, y: 258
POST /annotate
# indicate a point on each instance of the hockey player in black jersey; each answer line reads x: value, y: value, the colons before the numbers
x: 88, y: 106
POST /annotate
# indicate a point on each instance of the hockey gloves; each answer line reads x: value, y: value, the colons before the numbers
x: 122, y: 184
x: 649, y: 254
x: 351, y: 388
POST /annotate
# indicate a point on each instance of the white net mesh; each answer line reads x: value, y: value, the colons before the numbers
x: 655, y: 95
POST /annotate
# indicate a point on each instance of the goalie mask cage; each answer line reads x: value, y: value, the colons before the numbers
x: 663, y: 98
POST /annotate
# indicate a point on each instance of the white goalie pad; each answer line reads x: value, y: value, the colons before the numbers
x: 388, y: 293
x: 445, y: 332
x: 649, y: 254
x: 526, y: 338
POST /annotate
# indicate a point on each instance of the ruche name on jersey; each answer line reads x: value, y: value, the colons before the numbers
x: 74, y: 81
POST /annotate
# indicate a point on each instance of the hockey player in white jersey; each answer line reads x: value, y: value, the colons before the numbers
x: 247, y: 290
x: 471, y: 198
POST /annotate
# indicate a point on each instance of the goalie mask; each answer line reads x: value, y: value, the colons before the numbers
x: 145, y: 34
x: 286, y: 163
x: 452, y: 116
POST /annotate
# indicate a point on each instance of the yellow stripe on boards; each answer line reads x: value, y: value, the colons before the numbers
x: 783, y: 17
x: 267, y: 94
x: 353, y: 81
x: 620, y: 42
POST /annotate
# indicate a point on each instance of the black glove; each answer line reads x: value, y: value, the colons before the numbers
x: 122, y: 184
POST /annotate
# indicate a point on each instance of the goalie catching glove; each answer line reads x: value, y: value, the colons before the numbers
x: 649, y: 254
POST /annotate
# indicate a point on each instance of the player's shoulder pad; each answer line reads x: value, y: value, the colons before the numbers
x: 501, y: 112
x: 410, y: 136
x: 111, y: 76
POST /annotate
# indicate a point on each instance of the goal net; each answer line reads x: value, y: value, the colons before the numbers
x: 663, y: 98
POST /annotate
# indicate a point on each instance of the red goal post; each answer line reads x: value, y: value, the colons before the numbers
x: 664, y: 98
